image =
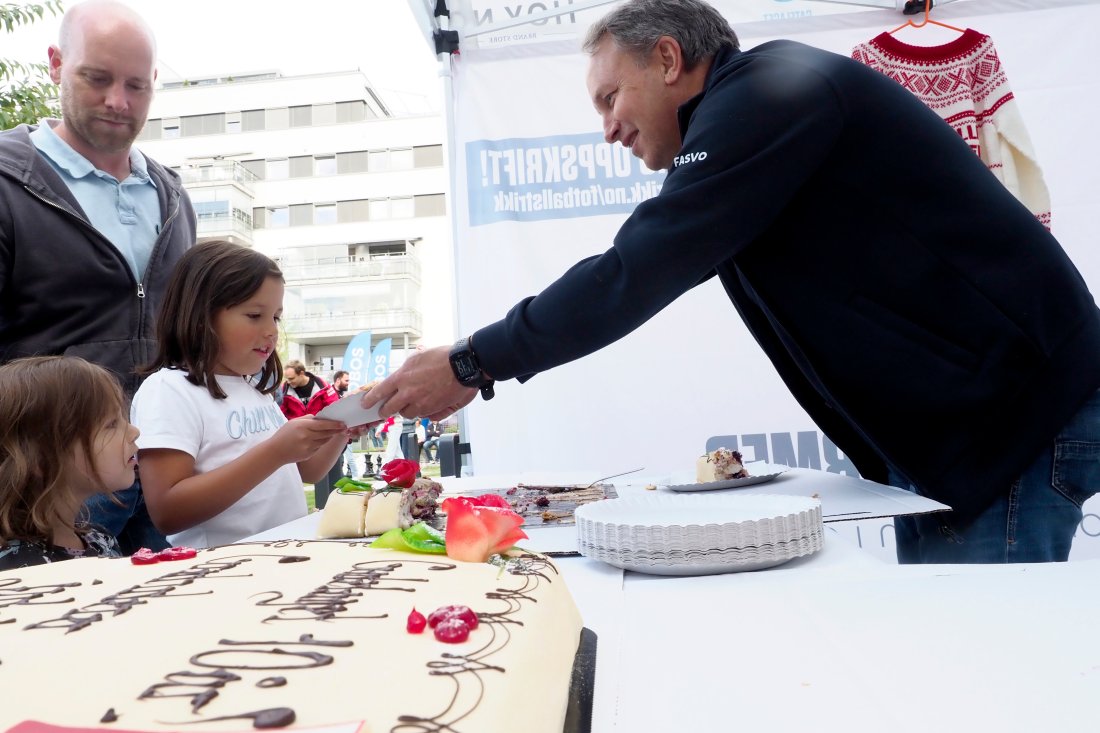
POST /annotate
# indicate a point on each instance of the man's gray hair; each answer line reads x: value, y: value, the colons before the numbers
x: 637, y: 25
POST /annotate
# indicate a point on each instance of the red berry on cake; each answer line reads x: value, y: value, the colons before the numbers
x: 452, y: 631
x: 463, y: 613
x: 416, y: 622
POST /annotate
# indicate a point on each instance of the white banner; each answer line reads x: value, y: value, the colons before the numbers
x: 536, y: 189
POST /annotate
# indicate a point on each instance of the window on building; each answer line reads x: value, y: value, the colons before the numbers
x: 379, y: 209
x: 206, y: 210
x: 242, y: 216
x: 324, y: 114
x: 194, y: 125
x: 277, y: 217
x: 301, y: 116
x: 401, y: 159
x: 259, y: 217
x: 433, y: 204
x: 255, y: 167
x: 352, y: 211
x: 278, y: 169
x: 301, y: 215
x: 151, y: 131
x: 324, y: 165
x: 379, y: 160
x: 301, y: 166
x: 232, y: 122
x: 253, y: 119
x: 277, y: 119
x: 351, y: 111
x: 401, y: 208
x: 355, y: 162
x: 324, y: 214
x: 428, y: 156
x: 170, y: 128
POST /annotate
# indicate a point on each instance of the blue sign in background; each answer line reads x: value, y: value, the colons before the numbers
x: 364, y: 366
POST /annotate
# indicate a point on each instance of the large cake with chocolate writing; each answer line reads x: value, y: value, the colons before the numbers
x: 290, y: 634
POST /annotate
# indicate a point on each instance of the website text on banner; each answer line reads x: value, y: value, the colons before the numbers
x: 556, y: 177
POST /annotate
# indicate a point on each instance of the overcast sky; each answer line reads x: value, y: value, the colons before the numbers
x: 208, y: 37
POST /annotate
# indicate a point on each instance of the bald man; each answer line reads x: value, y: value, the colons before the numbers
x: 90, y: 228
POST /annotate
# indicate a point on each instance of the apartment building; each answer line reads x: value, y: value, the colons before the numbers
x: 316, y: 172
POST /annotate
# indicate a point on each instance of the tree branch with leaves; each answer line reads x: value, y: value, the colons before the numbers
x: 26, y: 92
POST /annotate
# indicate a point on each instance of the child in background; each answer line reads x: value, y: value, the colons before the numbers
x: 64, y: 436
x: 219, y: 461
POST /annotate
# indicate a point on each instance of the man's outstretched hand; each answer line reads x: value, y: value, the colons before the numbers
x: 424, y: 386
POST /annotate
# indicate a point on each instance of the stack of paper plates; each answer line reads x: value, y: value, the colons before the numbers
x: 699, y: 534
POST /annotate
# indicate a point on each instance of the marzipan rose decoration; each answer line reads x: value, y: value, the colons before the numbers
x: 400, y: 473
x: 475, y: 531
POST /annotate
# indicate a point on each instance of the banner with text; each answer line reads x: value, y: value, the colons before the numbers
x: 364, y: 366
x: 528, y: 179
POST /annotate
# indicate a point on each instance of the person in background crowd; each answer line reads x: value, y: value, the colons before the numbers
x: 90, y: 227
x: 220, y: 460
x: 409, y: 427
x: 341, y: 381
x: 304, y: 393
x: 390, y: 430
x: 431, y: 442
x: 56, y: 452
x: 920, y: 314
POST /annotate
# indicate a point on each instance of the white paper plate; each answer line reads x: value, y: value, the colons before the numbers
x: 666, y: 534
x: 348, y: 411
x: 761, y: 473
x: 656, y: 510
x: 650, y: 568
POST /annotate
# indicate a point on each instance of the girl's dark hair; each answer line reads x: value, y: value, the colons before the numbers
x: 48, y: 406
x: 208, y: 278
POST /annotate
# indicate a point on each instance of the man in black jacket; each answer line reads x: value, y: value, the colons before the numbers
x: 89, y: 227
x: 899, y: 289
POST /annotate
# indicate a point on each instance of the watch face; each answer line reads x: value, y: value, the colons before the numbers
x: 464, y: 366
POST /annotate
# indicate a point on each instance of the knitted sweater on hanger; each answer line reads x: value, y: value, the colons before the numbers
x: 965, y: 83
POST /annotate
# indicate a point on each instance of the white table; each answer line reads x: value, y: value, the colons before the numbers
x: 837, y: 641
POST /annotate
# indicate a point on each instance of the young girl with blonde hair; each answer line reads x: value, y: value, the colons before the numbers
x: 219, y: 461
x: 64, y: 437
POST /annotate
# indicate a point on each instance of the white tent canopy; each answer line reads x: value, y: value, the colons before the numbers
x: 653, y: 398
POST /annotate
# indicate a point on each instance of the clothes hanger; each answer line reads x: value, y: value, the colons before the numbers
x: 927, y: 20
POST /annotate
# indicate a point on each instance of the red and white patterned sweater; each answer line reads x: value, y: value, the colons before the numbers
x: 964, y: 82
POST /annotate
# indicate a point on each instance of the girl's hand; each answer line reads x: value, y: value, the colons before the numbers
x: 356, y: 432
x: 301, y: 437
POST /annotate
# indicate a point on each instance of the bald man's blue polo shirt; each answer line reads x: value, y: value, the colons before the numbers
x: 127, y: 213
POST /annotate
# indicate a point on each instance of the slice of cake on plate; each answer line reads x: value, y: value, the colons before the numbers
x: 720, y: 464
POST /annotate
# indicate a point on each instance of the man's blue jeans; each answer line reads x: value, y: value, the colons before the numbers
x: 130, y: 523
x: 1034, y: 521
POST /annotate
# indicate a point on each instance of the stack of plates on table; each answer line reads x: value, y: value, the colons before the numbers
x: 692, y: 534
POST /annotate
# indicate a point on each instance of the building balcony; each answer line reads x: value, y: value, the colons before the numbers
x: 315, y: 328
x: 219, y: 173
x: 347, y: 268
x: 224, y: 227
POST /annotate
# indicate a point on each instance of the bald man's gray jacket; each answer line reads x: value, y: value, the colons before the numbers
x: 64, y: 288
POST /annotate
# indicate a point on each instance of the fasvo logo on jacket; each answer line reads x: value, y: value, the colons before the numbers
x: 680, y: 160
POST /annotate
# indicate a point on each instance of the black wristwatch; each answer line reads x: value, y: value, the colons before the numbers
x: 467, y: 368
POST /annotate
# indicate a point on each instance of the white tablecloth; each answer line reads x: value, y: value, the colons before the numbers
x: 838, y: 641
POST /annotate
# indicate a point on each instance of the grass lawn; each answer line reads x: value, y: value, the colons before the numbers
x: 426, y: 470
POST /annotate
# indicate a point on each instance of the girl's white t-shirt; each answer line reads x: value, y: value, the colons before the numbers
x: 173, y: 413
